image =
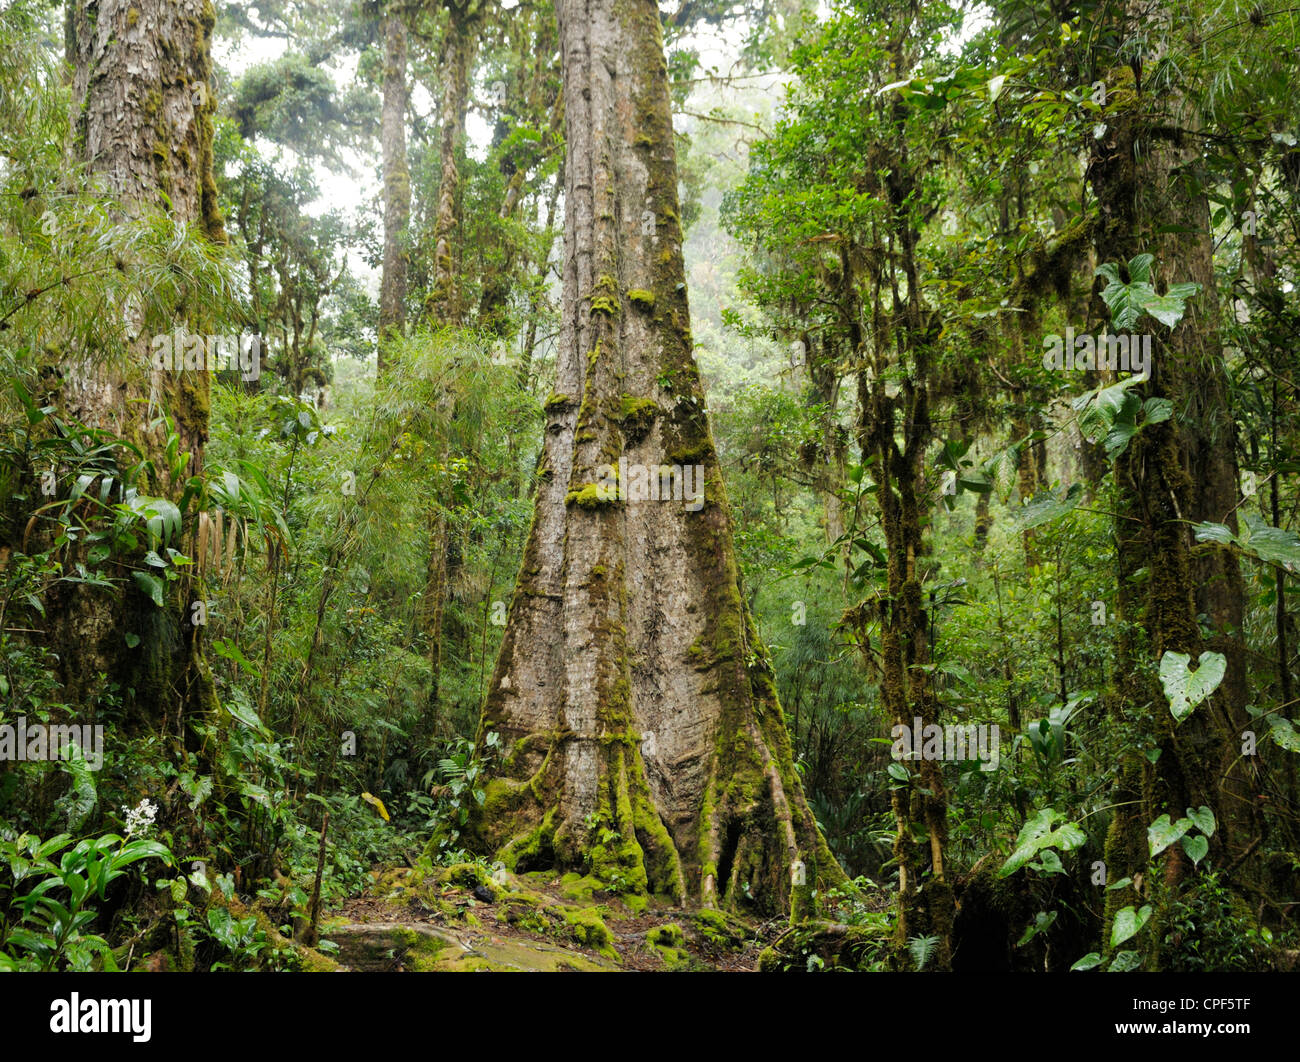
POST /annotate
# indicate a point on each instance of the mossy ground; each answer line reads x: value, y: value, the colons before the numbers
x: 440, y: 919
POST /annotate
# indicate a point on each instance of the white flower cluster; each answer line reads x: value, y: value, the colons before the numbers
x: 140, y: 818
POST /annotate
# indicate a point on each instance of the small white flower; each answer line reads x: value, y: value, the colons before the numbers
x: 140, y: 818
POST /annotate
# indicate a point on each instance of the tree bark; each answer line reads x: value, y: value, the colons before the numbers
x: 458, y: 47
x: 643, y: 739
x: 1173, y: 473
x: 142, y: 122
x: 397, y: 184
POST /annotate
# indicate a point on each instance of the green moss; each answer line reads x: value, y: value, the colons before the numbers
x: 668, y: 935
x: 721, y: 930
x: 590, y: 496
x: 641, y: 298
x: 466, y: 875
x: 589, y: 929
x: 575, y: 886
x: 604, y: 296
x: 423, y: 954
x: 669, y: 943
x: 532, y: 847
x: 630, y: 407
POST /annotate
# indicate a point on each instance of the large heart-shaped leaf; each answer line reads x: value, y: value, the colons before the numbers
x: 1204, y: 819
x: 1127, y: 923
x: 1196, y: 847
x: 1186, y: 688
x: 1162, y: 833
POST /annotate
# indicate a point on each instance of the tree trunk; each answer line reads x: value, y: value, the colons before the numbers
x: 458, y: 47
x: 142, y: 121
x: 397, y: 184
x: 1181, y: 470
x: 641, y: 733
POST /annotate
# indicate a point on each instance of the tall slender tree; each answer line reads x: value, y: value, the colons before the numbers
x: 397, y: 179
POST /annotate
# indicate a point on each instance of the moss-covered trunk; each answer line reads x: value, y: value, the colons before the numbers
x: 458, y: 46
x: 142, y: 122
x: 397, y: 182
x: 1173, y: 474
x: 642, y: 737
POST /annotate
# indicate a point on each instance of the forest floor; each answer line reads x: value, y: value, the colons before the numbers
x: 456, y: 919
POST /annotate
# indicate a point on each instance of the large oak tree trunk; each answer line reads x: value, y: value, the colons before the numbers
x: 642, y: 736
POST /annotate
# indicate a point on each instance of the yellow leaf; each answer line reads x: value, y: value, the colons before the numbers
x: 379, y: 805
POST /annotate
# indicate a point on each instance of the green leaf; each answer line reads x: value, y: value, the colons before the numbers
x: 1186, y: 688
x: 1124, y: 961
x: 1215, y: 533
x: 1156, y: 410
x: 245, y: 714
x: 1102, y: 409
x: 1038, y: 834
x: 1139, y: 267
x: 1048, y: 507
x: 1274, y: 545
x: 1196, y: 847
x: 231, y: 651
x: 899, y: 772
x: 1170, y: 307
x: 1203, y: 817
x: 1283, y: 731
x: 1089, y: 962
x: 1162, y: 833
x: 1127, y: 924
x: 1042, y: 922
x: 151, y: 585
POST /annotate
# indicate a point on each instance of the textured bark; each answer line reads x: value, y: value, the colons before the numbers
x: 458, y: 48
x: 642, y: 736
x: 397, y: 183
x: 539, y: 98
x: 1184, y: 469
x: 142, y: 122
